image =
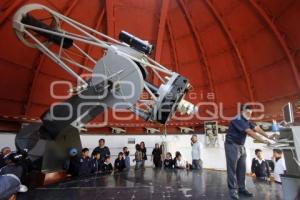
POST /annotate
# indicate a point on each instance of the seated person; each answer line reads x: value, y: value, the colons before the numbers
x: 11, y: 167
x: 180, y: 163
x: 12, y: 173
x: 126, y: 158
x: 96, y: 162
x: 259, y: 166
x: 120, y: 163
x: 84, y: 168
x: 279, y: 165
x: 107, y: 166
x: 168, y: 162
x: 4, y: 152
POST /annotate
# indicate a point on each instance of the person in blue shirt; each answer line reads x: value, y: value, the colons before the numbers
x: 235, y: 151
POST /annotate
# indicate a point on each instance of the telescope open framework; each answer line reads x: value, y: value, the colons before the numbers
x: 117, y: 80
x: 39, y: 33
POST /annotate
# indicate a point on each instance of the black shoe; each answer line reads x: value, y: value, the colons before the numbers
x: 245, y: 193
x: 234, y: 196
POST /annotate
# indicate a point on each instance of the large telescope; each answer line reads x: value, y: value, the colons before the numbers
x: 117, y: 81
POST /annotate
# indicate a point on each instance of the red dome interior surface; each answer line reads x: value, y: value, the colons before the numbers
x: 238, y: 50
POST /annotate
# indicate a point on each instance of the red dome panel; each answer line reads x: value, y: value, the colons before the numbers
x: 237, y: 49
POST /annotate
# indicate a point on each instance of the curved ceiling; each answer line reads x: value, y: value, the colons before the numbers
x: 239, y: 50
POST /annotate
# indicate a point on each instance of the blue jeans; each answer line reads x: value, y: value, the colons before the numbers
x: 197, y: 164
x: 138, y: 164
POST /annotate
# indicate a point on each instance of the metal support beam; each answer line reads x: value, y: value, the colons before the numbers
x: 226, y: 29
x: 173, y: 45
x: 269, y: 21
x: 110, y: 18
x: 97, y: 27
x: 161, y: 31
x: 161, y: 28
x: 199, y: 45
x: 37, y: 67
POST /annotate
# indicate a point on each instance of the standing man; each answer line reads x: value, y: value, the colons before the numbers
x: 102, y: 149
x: 196, y: 153
x: 235, y: 150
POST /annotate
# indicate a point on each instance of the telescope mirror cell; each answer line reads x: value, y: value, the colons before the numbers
x: 126, y: 78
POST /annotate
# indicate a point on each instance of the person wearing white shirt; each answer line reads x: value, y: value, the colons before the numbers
x: 279, y: 165
x: 196, y: 153
x: 179, y: 162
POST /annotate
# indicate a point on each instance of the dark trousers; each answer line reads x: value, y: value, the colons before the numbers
x: 236, y: 166
x: 197, y: 164
x: 157, y: 163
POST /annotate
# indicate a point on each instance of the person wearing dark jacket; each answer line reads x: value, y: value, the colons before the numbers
x: 11, y: 175
x: 120, y: 163
x: 85, y: 168
x: 102, y: 149
x: 96, y: 163
x: 74, y: 165
x: 13, y: 165
x: 144, y: 151
x: 156, y: 156
x: 12, y: 168
x: 107, y: 167
x: 168, y: 162
x: 259, y: 166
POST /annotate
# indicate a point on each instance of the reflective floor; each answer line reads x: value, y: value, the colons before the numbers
x: 151, y: 184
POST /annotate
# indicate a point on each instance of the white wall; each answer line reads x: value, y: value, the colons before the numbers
x: 213, y: 157
x: 7, y: 140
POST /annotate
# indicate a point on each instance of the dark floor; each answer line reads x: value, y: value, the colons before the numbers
x: 151, y: 184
